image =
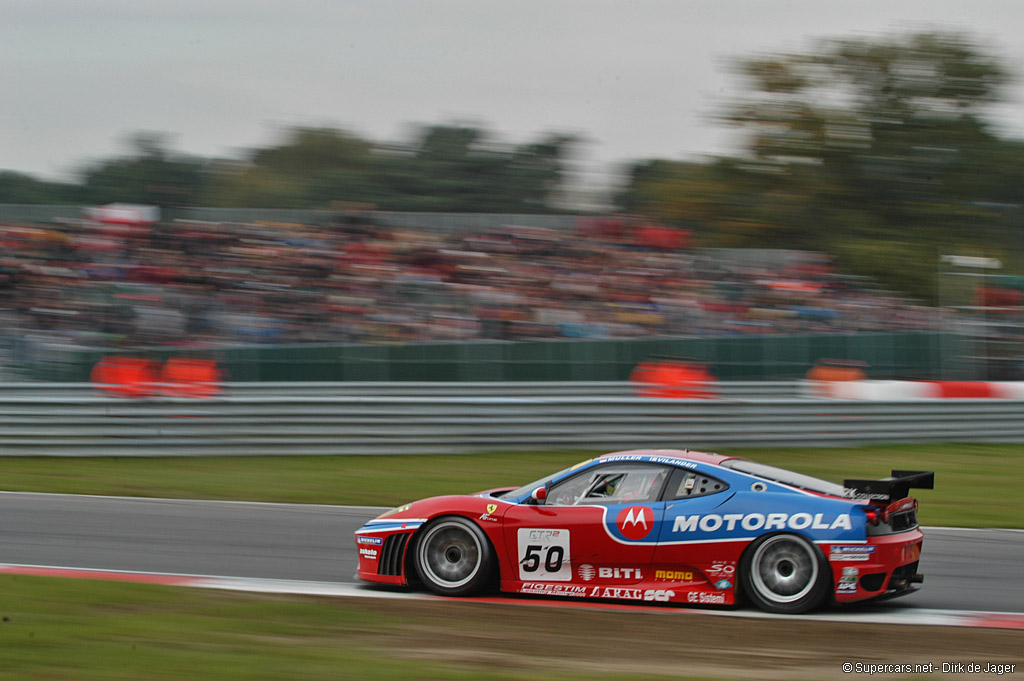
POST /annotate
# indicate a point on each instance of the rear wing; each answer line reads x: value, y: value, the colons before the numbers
x: 892, y: 488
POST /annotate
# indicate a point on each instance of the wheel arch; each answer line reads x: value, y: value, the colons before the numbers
x: 411, y: 569
x: 825, y: 573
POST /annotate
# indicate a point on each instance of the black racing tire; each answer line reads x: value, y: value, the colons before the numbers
x: 785, y: 573
x: 453, y: 557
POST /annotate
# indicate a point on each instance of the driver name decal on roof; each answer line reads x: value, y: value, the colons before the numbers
x: 671, y: 460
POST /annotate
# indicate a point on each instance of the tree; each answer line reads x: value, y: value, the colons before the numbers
x: 150, y: 174
x: 22, y: 188
x: 888, y: 126
x: 859, y: 143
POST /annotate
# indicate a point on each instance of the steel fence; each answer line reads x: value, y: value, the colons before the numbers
x: 729, y: 390
x: 249, y: 420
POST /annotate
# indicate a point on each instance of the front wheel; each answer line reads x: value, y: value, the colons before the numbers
x: 785, y: 573
x: 454, y: 557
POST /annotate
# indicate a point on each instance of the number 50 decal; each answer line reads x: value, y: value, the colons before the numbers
x: 544, y: 555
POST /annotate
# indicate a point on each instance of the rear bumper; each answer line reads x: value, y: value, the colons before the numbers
x: 883, y: 567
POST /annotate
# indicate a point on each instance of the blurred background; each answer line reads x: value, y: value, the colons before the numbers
x: 868, y: 208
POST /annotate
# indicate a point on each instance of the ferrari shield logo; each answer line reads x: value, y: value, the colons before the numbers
x: 491, y: 508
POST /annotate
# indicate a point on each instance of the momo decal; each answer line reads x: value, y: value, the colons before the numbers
x: 635, y: 522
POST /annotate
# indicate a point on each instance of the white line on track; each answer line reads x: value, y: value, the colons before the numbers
x: 170, y: 500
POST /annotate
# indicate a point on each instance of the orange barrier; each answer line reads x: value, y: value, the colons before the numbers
x: 178, y: 377
x: 673, y: 379
x: 184, y: 377
x: 125, y: 376
x: 823, y: 377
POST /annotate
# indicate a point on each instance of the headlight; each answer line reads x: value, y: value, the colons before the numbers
x: 396, y: 509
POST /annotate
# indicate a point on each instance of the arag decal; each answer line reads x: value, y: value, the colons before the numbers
x: 635, y: 522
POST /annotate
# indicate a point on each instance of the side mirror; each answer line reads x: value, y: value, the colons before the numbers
x: 539, y: 495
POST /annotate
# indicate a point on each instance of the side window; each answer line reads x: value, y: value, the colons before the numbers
x: 686, y: 484
x: 615, y: 484
x: 567, y: 492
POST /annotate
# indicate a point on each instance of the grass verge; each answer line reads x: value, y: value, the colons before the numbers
x: 107, y: 631
x: 977, y: 485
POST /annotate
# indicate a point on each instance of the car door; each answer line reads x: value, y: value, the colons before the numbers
x: 693, y: 545
x: 598, y: 526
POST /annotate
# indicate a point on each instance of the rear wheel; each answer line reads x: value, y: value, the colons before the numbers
x: 785, y: 573
x: 454, y: 557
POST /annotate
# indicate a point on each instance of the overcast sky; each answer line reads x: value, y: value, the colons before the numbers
x: 638, y: 78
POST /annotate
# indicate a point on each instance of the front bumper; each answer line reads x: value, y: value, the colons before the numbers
x: 383, y: 560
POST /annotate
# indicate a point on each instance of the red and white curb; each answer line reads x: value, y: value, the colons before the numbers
x: 894, y: 391
x: 899, y: 616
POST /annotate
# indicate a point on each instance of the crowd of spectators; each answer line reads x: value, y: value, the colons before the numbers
x: 213, y: 285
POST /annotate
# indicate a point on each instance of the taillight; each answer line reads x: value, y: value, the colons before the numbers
x: 873, y: 514
x: 907, y: 504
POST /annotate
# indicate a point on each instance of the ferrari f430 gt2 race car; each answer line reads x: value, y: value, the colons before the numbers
x: 664, y: 526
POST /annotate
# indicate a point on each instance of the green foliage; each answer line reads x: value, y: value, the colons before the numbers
x: 151, y: 174
x: 450, y: 168
x: 445, y: 168
x: 22, y: 188
x: 876, y: 151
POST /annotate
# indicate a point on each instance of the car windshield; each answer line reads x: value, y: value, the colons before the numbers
x: 774, y: 474
x: 526, y: 489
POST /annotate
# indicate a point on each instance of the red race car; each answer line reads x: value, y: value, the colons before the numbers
x: 661, y: 525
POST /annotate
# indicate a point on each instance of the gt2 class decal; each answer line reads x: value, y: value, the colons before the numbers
x: 544, y: 555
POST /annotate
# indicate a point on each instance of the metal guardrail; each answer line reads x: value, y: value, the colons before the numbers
x: 731, y: 389
x: 77, y: 422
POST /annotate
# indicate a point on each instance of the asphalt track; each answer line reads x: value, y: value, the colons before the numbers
x: 970, y: 570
